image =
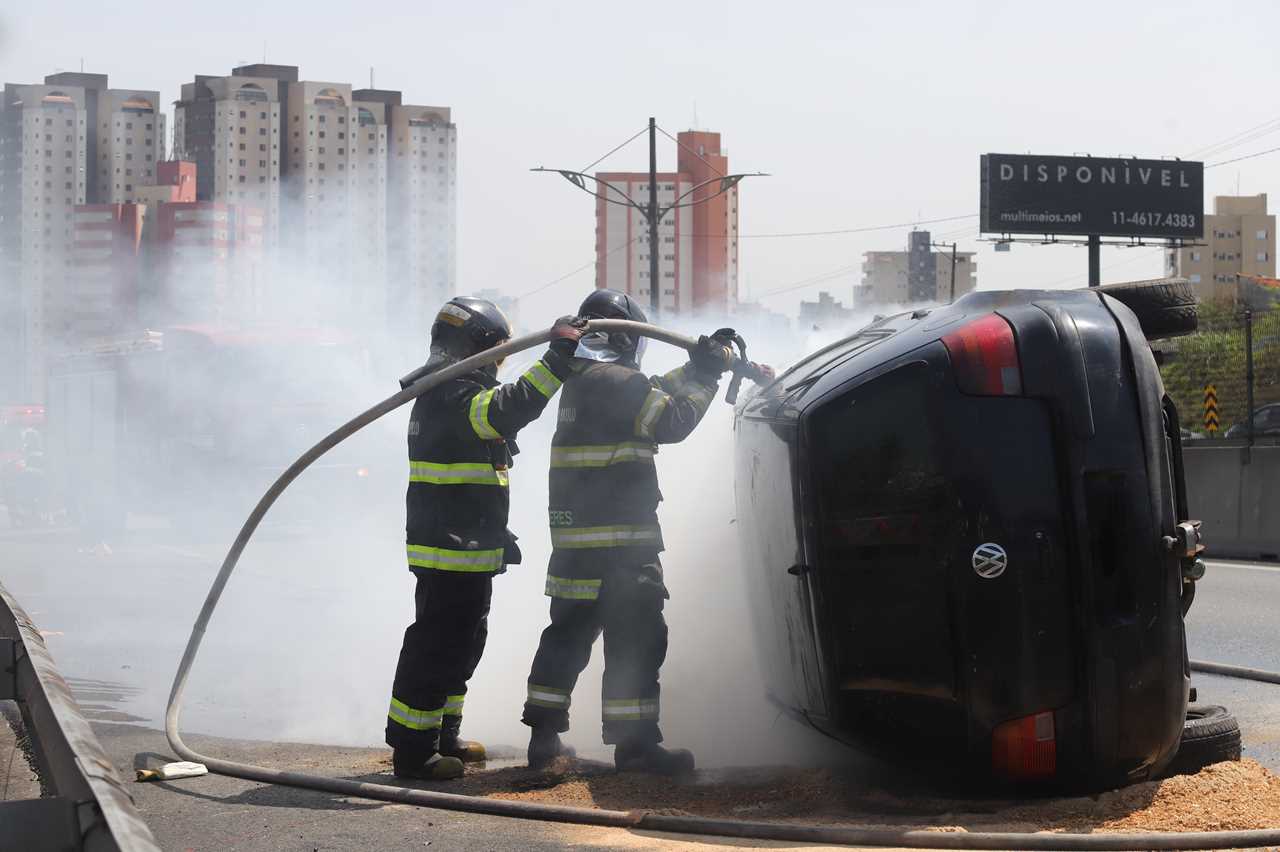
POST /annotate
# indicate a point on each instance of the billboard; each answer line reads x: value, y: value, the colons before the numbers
x: 1030, y: 194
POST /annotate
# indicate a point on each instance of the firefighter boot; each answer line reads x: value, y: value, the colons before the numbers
x: 437, y: 767
x: 545, y: 746
x: 651, y: 757
x: 452, y: 745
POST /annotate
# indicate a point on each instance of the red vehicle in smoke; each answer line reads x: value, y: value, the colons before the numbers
x: 22, y: 483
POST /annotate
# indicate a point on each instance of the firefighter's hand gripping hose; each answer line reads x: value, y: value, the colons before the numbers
x: 418, y: 384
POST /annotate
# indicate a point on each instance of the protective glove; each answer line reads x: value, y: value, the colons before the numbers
x: 761, y: 373
x: 713, y: 354
x: 565, y: 334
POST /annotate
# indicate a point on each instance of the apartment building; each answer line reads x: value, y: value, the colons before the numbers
x: 335, y: 200
x: 43, y: 161
x: 100, y: 295
x: 230, y: 128
x: 918, y: 274
x: 206, y: 260
x: 125, y: 140
x: 1239, y: 239
x: 698, y: 245
x: 422, y: 227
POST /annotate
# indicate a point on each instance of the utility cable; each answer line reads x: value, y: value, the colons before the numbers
x: 690, y: 150
x: 615, y: 150
x: 1241, y: 159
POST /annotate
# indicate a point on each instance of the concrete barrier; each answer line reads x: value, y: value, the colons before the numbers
x: 1235, y: 490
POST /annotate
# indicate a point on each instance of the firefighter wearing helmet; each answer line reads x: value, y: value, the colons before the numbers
x: 604, y: 575
x: 460, y: 450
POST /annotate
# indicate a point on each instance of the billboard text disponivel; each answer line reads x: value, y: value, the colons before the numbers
x: 1031, y: 194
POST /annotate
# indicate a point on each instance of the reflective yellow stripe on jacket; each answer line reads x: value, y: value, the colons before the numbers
x: 621, y: 535
x: 647, y: 420
x: 445, y: 559
x: 601, y: 455
x: 543, y: 379
x: 463, y: 473
x: 480, y: 415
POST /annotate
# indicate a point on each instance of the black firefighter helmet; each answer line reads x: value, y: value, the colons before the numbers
x: 466, y: 326
x: 610, y: 304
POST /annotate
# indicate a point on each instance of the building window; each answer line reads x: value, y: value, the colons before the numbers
x: 321, y: 134
x: 242, y: 178
x: 242, y: 164
x: 321, y: 150
x: 322, y: 119
x: 1195, y: 257
x: 1263, y: 257
x: 1262, y: 235
x: 1195, y: 278
x: 243, y: 131
x: 262, y: 131
x: 342, y: 119
x: 242, y: 114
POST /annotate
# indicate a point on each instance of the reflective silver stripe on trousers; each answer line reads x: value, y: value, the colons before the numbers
x: 548, y: 696
x: 629, y: 709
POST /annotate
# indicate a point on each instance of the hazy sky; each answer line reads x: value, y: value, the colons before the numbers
x: 865, y: 113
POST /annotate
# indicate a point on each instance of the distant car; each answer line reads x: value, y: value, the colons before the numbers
x: 962, y: 536
x: 1266, y: 421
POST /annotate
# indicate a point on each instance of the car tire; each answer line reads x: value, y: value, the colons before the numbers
x: 1165, y: 308
x: 1210, y: 735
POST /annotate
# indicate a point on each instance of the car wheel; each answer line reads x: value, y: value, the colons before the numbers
x: 1164, y: 308
x: 1210, y: 735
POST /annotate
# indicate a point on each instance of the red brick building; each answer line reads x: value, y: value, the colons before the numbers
x: 698, y: 245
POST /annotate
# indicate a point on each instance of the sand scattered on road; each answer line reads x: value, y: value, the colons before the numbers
x: 1226, y: 796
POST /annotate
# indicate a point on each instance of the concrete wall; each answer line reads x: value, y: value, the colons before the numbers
x: 1236, y: 492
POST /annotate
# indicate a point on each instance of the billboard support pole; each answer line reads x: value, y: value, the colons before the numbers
x: 1095, y: 260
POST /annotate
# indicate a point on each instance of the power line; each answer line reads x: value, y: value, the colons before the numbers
x: 691, y: 151
x: 1245, y: 157
x: 615, y: 150
x: 861, y: 230
x: 573, y: 272
x: 1233, y: 139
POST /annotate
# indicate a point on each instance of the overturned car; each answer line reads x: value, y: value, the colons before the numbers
x: 966, y: 535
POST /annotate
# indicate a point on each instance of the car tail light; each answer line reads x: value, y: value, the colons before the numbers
x: 1025, y: 749
x: 985, y: 357
x: 362, y: 472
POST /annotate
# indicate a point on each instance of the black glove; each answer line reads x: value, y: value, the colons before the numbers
x: 713, y: 355
x: 565, y: 334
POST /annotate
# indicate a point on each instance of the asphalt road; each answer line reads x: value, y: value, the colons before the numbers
x: 289, y: 659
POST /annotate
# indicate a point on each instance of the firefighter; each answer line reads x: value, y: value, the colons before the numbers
x: 604, y: 575
x: 460, y: 449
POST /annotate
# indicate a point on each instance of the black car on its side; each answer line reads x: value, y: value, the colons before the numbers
x: 965, y: 535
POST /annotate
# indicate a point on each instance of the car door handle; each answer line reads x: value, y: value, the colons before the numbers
x: 797, y: 570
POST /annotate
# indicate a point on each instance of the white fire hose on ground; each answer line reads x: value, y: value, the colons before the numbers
x: 643, y: 820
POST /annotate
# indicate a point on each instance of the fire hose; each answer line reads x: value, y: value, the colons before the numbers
x: 418, y: 384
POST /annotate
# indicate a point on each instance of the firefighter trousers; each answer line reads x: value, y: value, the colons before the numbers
x: 440, y: 652
x: 625, y: 604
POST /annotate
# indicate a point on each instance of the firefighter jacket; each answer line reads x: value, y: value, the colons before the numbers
x: 603, y: 484
x: 459, y: 456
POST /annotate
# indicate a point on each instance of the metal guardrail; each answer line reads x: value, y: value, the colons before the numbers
x: 90, y: 809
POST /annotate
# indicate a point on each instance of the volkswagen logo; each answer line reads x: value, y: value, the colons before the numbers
x: 990, y: 560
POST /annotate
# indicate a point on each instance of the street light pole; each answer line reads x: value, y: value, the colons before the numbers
x: 652, y: 212
x: 653, y: 218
